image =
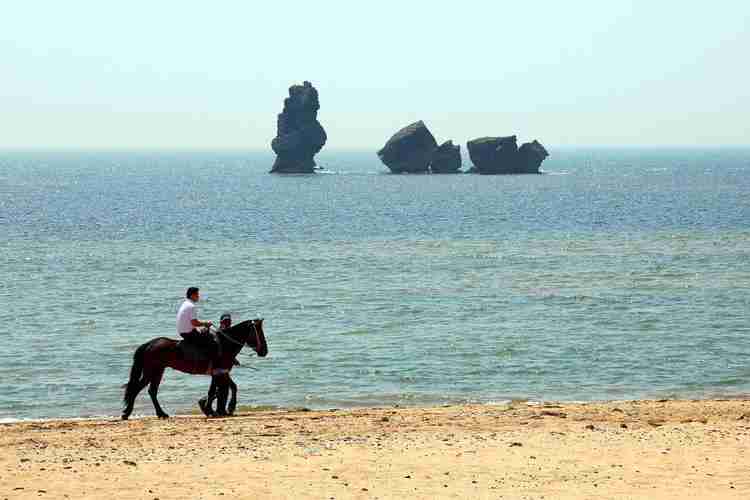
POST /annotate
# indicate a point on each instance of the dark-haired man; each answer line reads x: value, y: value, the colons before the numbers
x: 225, y: 321
x: 191, y: 328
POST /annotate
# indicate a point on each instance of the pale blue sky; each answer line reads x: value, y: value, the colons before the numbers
x: 214, y: 75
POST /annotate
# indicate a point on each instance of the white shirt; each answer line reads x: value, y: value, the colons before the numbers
x: 187, y: 312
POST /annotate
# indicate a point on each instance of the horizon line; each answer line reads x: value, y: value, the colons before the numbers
x: 362, y: 149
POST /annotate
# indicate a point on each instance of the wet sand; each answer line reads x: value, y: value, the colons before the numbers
x: 618, y: 450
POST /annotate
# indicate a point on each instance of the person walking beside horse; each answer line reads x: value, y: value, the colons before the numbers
x: 221, y: 381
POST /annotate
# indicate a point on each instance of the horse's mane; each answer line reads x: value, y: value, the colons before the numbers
x: 239, y: 326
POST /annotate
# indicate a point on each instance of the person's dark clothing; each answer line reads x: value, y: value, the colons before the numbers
x: 204, y: 341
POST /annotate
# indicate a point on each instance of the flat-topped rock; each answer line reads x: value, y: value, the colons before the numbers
x: 501, y: 155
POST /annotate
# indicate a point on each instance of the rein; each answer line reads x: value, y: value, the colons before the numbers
x: 227, y: 337
x: 237, y: 342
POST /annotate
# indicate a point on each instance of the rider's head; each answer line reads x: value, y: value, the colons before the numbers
x: 193, y: 294
x: 225, y: 321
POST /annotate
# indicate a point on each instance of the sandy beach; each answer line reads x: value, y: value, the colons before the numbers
x: 617, y: 450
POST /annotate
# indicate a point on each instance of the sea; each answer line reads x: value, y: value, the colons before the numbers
x: 622, y: 273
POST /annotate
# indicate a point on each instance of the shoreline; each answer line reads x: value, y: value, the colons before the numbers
x: 656, y: 449
x: 194, y: 411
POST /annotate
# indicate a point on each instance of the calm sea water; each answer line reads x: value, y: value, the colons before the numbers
x: 621, y: 274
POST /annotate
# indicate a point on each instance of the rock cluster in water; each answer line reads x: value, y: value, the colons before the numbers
x: 299, y: 135
x: 501, y: 155
x: 413, y: 149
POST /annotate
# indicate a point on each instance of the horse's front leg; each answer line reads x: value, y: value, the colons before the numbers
x: 206, y: 403
x: 233, y: 400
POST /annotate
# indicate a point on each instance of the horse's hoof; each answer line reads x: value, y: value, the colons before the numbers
x: 125, y: 417
x: 163, y: 416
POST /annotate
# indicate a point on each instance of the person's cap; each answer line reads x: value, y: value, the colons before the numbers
x: 225, y: 316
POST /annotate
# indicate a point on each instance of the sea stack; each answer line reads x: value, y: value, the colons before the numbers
x: 409, y: 150
x: 299, y: 135
x: 446, y: 159
x: 501, y: 155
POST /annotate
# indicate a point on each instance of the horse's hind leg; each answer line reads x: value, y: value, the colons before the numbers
x: 143, y: 382
x: 154, y: 389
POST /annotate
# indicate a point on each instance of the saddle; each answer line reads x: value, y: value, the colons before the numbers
x: 199, y: 349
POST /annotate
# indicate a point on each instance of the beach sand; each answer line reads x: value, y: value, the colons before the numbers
x: 616, y: 450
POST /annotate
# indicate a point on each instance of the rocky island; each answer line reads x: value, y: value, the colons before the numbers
x: 413, y: 149
x: 501, y: 155
x: 409, y: 150
x: 299, y: 135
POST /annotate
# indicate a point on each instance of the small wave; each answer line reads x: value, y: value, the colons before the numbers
x: 733, y: 381
x: 14, y: 420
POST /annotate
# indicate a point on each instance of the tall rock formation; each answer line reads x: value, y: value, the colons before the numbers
x: 501, y: 155
x: 409, y: 150
x: 299, y: 135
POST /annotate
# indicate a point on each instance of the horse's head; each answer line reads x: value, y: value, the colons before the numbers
x: 257, y: 339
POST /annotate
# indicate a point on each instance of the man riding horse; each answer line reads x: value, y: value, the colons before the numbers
x: 193, y: 330
x: 152, y: 358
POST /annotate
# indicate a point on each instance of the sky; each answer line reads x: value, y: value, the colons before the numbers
x: 213, y: 75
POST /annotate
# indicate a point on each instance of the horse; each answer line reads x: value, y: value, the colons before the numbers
x: 152, y: 358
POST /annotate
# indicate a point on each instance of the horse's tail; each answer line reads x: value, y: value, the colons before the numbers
x: 135, y: 373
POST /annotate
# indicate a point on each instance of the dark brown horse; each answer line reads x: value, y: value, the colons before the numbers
x: 152, y: 358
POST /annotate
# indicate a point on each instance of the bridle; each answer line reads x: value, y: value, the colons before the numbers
x: 237, y: 342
